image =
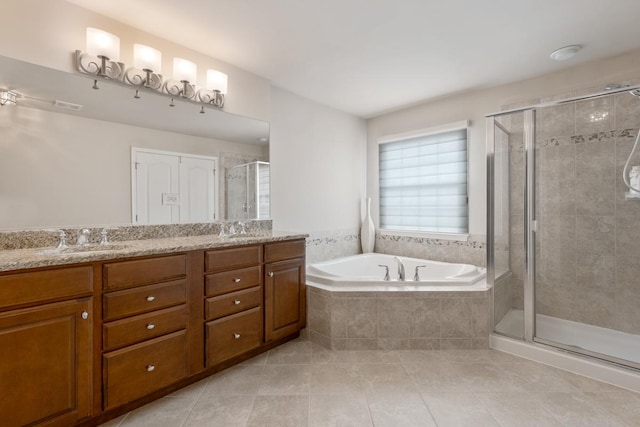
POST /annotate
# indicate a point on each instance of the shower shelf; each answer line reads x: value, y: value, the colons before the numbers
x: 629, y: 196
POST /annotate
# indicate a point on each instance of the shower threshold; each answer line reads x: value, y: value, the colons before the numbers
x: 593, y: 339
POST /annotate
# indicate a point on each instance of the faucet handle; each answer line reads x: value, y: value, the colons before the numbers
x: 62, y: 245
x: 104, y: 240
x: 416, y: 277
x: 386, y: 273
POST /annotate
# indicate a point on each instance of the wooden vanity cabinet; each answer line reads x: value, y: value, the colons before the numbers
x: 46, y: 324
x: 144, y: 335
x: 233, y: 302
x: 284, y: 283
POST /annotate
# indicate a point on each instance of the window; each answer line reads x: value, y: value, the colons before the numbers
x: 423, y: 181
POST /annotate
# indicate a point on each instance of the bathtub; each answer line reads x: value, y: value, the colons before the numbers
x: 361, y: 273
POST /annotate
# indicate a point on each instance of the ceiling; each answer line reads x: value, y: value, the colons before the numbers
x: 366, y: 57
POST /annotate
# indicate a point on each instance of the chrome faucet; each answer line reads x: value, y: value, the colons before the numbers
x: 386, y: 271
x: 401, y: 275
x: 416, y: 277
x: 83, y: 237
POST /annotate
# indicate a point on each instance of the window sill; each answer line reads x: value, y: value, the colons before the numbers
x: 425, y: 235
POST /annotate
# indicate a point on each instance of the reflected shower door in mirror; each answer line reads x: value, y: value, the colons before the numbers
x: 63, y: 166
x: 248, y: 191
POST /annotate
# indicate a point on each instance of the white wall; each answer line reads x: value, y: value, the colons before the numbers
x: 57, y: 169
x: 317, y: 159
x: 474, y: 105
x: 47, y: 32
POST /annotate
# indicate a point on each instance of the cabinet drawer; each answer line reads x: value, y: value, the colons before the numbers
x: 227, y: 259
x: 138, y: 370
x: 143, y: 327
x: 284, y: 250
x: 233, y: 335
x: 221, y: 283
x: 39, y: 286
x: 234, y: 302
x: 144, y: 299
x: 140, y: 272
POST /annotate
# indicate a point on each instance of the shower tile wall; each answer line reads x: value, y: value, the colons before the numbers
x: 588, y: 244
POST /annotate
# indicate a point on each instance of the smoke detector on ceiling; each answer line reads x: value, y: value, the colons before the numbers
x: 565, y: 52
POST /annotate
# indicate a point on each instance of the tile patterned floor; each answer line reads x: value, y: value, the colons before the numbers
x: 302, y: 384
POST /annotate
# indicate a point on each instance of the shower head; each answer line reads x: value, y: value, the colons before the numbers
x: 635, y: 92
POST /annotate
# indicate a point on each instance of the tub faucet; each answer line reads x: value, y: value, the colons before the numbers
x: 83, y: 237
x: 401, y: 275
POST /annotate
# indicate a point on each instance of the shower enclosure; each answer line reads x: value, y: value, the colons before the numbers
x: 248, y: 191
x: 563, y: 229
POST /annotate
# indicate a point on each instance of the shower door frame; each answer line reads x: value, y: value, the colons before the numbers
x: 530, y: 221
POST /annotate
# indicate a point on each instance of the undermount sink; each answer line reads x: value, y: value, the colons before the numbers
x: 83, y: 249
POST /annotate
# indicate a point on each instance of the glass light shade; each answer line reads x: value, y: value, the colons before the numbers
x: 101, y: 43
x: 184, y: 70
x: 217, y: 81
x: 147, y: 58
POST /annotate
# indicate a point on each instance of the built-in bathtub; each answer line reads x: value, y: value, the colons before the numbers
x: 363, y: 273
x: 352, y: 307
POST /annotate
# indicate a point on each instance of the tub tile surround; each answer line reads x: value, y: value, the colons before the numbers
x: 327, y: 245
x: 587, y: 246
x: 398, y: 320
x: 473, y: 251
x: 389, y: 388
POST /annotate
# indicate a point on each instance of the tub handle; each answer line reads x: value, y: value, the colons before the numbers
x: 416, y: 277
x: 386, y: 271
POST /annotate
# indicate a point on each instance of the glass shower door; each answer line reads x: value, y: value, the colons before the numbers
x: 585, y: 298
x: 507, y: 223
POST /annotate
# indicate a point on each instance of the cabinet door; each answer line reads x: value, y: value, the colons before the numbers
x: 45, y: 364
x: 285, y: 310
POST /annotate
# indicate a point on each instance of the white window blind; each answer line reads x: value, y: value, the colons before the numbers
x: 423, y: 183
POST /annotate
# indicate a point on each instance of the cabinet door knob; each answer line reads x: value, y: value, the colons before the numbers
x: 85, y: 315
x: 236, y: 336
x: 236, y: 302
x: 236, y: 280
x: 271, y: 274
x: 151, y: 326
x: 150, y: 368
x: 150, y: 298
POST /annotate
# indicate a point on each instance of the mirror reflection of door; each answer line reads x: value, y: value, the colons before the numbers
x: 172, y: 187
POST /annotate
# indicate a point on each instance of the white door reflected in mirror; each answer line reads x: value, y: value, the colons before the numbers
x: 169, y: 188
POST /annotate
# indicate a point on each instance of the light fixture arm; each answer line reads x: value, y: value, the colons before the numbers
x: 99, y: 66
x: 212, y: 97
x: 144, y: 78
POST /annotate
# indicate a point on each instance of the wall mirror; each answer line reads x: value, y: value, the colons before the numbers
x: 65, y: 150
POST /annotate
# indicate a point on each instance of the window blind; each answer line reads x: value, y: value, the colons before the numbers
x: 423, y: 183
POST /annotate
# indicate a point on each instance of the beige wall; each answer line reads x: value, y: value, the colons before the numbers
x: 47, y: 32
x: 317, y: 165
x: 474, y: 105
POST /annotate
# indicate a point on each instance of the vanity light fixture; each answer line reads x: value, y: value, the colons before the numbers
x: 147, y: 63
x: 102, y: 56
x: 102, y: 60
x: 184, y: 73
x: 216, y: 89
x: 8, y: 97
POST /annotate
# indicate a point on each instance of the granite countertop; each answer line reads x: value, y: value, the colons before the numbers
x: 18, y: 259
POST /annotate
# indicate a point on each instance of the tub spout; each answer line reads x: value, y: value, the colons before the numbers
x: 401, y: 274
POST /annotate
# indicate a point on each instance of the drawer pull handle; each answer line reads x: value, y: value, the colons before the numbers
x: 150, y: 298
x: 271, y: 274
x: 151, y: 326
x: 85, y: 315
x: 150, y: 368
x: 236, y: 280
x: 236, y: 336
x: 236, y: 302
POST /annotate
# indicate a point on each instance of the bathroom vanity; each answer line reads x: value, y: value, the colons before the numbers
x: 87, y: 336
